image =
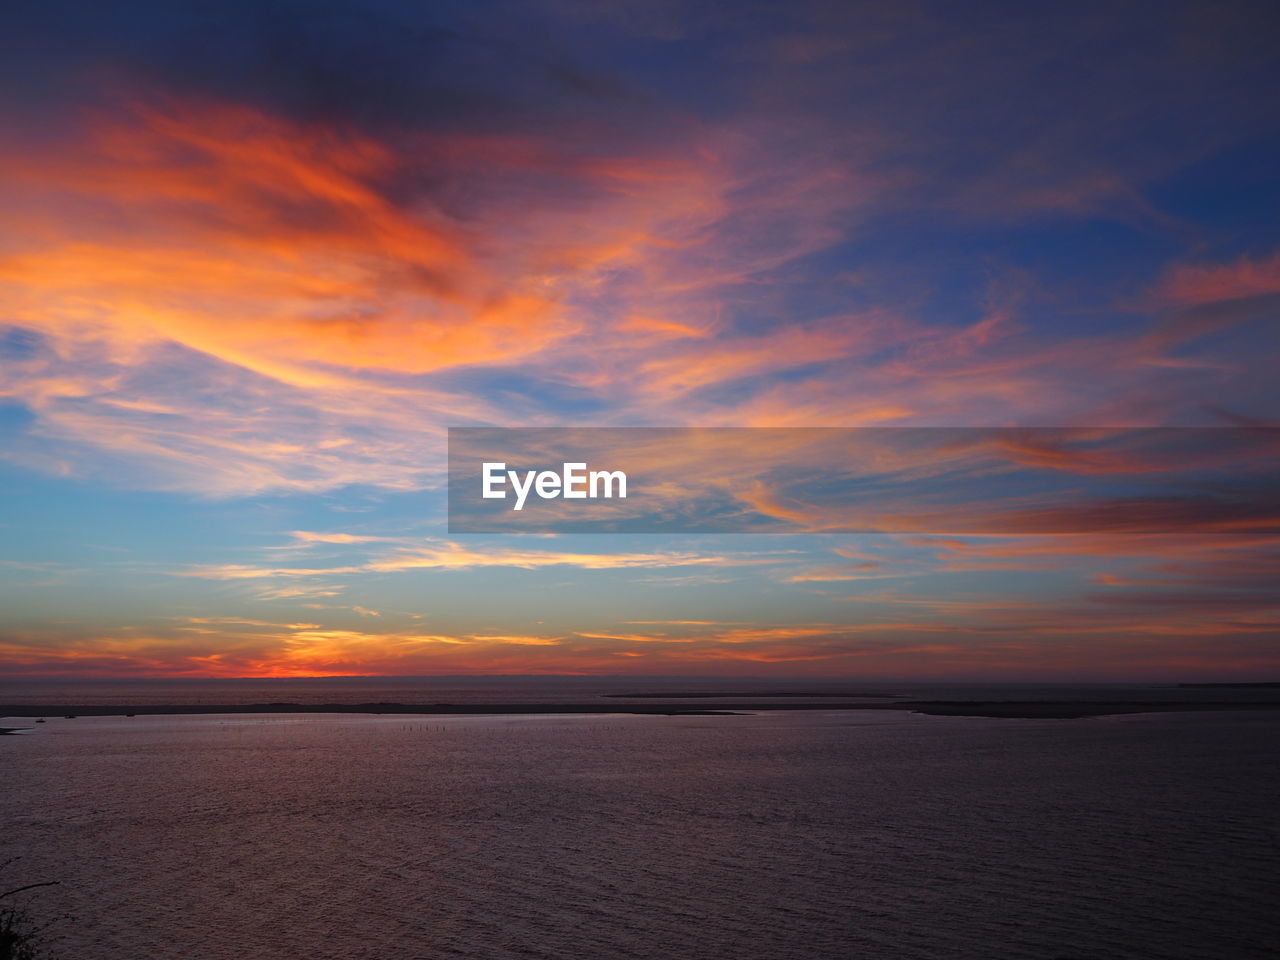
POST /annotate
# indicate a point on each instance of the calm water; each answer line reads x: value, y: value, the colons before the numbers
x: 868, y: 835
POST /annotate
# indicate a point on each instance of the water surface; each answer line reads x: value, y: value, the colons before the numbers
x: 873, y: 834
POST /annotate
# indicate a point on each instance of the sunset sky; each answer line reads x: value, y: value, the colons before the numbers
x: 257, y: 258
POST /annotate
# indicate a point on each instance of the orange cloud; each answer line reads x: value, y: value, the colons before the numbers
x: 308, y: 297
x: 262, y: 243
x: 858, y: 571
x: 450, y: 555
x: 1192, y: 284
x: 289, y: 277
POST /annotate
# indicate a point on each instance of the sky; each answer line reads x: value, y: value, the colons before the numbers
x: 257, y: 258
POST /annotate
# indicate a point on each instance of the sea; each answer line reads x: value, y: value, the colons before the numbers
x: 765, y: 836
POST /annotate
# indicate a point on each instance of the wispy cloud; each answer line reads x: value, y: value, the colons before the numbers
x: 431, y: 554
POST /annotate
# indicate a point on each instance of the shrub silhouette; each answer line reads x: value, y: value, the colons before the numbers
x: 18, y: 933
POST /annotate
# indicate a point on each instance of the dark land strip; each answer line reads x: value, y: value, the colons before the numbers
x: 726, y: 695
x: 1012, y: 709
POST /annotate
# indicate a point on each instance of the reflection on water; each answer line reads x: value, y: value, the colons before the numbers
x: 774, y: 836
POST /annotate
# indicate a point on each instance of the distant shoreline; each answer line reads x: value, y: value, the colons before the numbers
x: 1007, y: 709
